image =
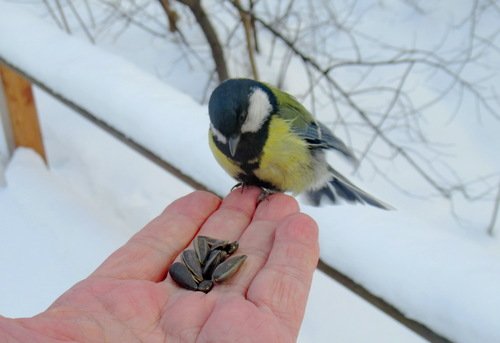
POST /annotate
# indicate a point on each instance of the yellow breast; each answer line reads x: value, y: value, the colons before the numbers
x: 286, y: 161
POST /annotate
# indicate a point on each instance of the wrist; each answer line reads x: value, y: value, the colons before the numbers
x: 36, y: 329
x: 13, y: 330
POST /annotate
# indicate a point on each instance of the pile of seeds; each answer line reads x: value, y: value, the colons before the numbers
x: 208, y: 263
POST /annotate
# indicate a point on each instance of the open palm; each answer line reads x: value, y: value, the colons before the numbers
x: 129, y: 298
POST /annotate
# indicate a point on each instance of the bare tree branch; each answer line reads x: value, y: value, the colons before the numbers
x: 80, y: 21
x: 247, y: 27
x: 172, y: 15
x: 491, y: 226
x: 52, y: 14
x: 211, y: 36
x: 63, y: 16
x: 129, y: 18
x: 393, y: 102
x: 90, y: 14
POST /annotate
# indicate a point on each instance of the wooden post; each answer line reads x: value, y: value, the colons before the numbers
x: 18, y: 112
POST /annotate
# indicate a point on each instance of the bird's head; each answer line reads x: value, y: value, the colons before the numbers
x: 239, y: 106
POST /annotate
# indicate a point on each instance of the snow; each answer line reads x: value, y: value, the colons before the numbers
x: 44, y: 224
x: 444, y: 277
x: 436, y: 277
x: 333, y: 314
x: 116, y: 179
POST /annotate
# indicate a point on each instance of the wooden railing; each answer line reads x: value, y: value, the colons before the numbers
x: 18, y: 113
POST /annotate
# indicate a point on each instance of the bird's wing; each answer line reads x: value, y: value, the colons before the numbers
x: 317, y: 135
x: 340, y: 187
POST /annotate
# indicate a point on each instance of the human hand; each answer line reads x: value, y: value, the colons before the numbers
x: 128, y: 298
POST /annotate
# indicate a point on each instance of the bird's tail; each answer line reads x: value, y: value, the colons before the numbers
x: 339, y: 187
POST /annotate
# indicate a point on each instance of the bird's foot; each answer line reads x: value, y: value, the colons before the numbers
x: 239, y: 185
x: 265, y: 193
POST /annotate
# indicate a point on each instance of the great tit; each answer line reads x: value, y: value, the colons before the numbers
x: 263, y: 136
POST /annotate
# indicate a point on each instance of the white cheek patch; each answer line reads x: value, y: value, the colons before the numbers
x: 259, y: 110
x: 218, y: 135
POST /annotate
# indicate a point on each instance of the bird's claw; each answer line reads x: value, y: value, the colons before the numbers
x: 264, y: 194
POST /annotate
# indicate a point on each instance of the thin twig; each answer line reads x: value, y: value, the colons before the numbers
x: 171, y: 14
x: 386, y: 114
x: 130, y: 18
x: 63, y: 16
x: 494, y: 215
x: 80, y: 21
x: 52, y: 14
x: 247, y: 27
x: 90, y: 14
x: 211, y: 35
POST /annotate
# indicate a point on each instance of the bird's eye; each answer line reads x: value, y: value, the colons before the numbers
x: 243, y: 116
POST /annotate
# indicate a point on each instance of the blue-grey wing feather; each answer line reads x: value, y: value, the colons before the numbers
x: 318, y: 136
x: 340, y: 187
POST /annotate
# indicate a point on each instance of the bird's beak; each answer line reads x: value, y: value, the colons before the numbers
x: 233, y: 144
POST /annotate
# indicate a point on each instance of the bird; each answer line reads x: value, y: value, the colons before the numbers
x: 264, y: 137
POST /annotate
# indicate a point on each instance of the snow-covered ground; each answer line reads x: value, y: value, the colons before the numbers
x: 416, y: 257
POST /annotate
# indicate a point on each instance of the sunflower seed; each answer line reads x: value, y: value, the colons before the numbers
x: 213, y: 260
x: 227, y: 268
x: 205, y: 286
x: 182, y: 276
x: 213, y: 241
x: 201, y: 248
x: 191, y: 261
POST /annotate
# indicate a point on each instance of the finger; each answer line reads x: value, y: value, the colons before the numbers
x: 282, y: 286
x: 234, y: 214
x: 275, y: 207
x: 149, y: 253
x: 231, y: 219
x: 257, y: 240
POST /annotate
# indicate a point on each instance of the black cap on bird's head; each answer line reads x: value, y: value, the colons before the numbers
x: 239, y: 106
